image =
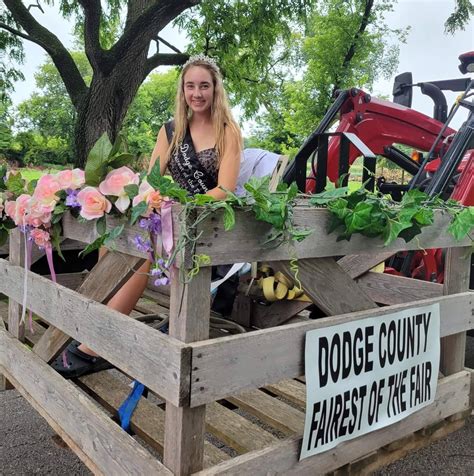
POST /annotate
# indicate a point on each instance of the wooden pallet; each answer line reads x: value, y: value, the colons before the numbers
x: 231, y: 405
x: 239, y: 424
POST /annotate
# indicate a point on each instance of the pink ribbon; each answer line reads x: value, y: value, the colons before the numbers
x: 167, y: 226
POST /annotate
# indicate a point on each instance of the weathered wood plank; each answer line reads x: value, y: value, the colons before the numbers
x: 327, y: 285
x: 235, y: 430
x: 4, y: 383
x: 246, y: 238
x: 31, y: 338
x: 158, y: 361
x: 293, y: 390
x: 389, y: 289
x: 87, y: 233
x: 356, y: 265
x: 452, y: 396
x: 270, y: 410
x: 276, y: 313
x: 457, y: 269
x: 16, y: 257
x: 70, y: 280
x: 233, y: 364
x: 148, y: 419
x: 99, y: 442
x: 105, y: 279
x: 189, y: 321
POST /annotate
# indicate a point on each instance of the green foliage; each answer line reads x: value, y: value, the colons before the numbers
x: 165, y: 185
x: 336, y: 51
x: 250, y: 40
x: 152, y: 107
x: 375, y: 215
x: 49, y: 113
x: 459, y: 19
x: 104, y: 157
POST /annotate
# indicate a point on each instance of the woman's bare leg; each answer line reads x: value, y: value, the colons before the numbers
x: 127, y: 296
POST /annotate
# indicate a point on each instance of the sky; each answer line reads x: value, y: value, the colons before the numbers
x: 428, y: 53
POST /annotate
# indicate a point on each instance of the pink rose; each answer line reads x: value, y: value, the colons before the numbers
x: 17, y: 210
x: 38, y: 214
x: 45, y: 191
x: 2, y: 206
x: 146, y: 193
x: 115, y: 183
x: 93, y: 203
x: 71, y: 179
x: 40, y: 237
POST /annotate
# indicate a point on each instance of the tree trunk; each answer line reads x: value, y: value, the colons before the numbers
x: 104, y: 107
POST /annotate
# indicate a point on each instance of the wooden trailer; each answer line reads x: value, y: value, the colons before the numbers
x: 232, y: 404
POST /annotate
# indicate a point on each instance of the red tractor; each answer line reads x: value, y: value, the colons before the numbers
x: 442, y: 162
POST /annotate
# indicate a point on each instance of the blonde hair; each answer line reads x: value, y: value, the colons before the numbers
x: 220, y: 111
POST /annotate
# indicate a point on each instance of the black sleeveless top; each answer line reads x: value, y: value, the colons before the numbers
x: 194, y: 171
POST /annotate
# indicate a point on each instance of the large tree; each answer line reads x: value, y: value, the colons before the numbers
x: 119, y: 36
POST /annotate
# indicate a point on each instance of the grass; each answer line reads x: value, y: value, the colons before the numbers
x: 30, y: 174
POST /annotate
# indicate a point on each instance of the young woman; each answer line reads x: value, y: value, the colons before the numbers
x: 201, y: 149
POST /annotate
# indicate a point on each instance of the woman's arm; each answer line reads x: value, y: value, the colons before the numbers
x: 229, y: 167
x: 160, y: 150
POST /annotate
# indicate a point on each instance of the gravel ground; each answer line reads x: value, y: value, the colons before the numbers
x: 28, y: 445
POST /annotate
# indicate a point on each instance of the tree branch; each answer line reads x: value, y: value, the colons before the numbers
x: 92, y: 14
x: 63, y: 61
x: 16, y: 32
x: 352, y: 48
x: 169, y: 45
x: 161, y: 59
x: 147, y: 25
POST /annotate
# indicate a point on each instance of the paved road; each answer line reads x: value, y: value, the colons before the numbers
x: 27, y: 445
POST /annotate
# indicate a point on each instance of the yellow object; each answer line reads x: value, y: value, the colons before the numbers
x: 380, y: 268
x: 279, y: 286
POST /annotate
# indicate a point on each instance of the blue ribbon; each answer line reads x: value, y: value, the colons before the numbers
x: 127, y: 408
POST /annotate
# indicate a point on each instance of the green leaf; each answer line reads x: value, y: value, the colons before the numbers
x: 3, y: 236
x: 30, y: 188
x: 299, y: 234
x: 137, y: 211
x: 59, y: 209
x: 96, y: 164
x: 360, y: 219
x: 120, y: 160
x: 229, y: 217
x: 101, y: 225
x: 462, y: 223
x: 96, y: 244
x: 165, y: 186
x: 410, y: 232
x: 3, y: 173
x: 413, y: 197
x: 339, y: 208
x: 114, y: 234
x: 200, y: 199
x: 392, y: 230
x: 131, y: 190
x: 15, y: 184
x: 325, y: 197
x: 55, y: 234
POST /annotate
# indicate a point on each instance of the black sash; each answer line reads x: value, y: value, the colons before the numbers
x: 192, y: 175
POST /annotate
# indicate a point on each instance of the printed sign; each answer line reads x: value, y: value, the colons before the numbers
x: 367, y: 374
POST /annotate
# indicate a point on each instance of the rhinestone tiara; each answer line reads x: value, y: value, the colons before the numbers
x: 200, y: 57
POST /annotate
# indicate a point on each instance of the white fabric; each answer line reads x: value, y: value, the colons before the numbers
x: 255, y: 163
